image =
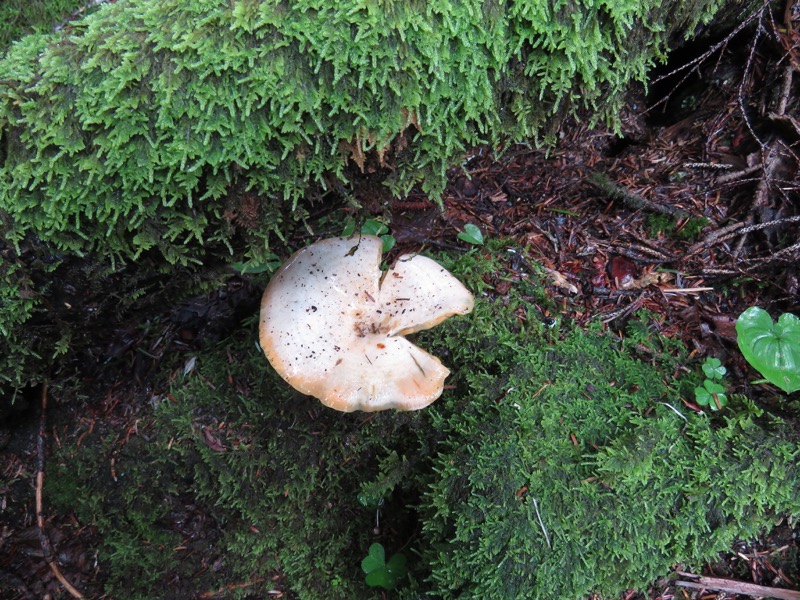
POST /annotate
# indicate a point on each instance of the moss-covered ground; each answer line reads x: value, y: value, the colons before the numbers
x: 559, y: 462
x: 567, y: 456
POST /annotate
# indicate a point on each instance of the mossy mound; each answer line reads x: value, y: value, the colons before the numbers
x: 195, y: 131
x: 141, y: 126
x: 558, y: 463
x: 22, y: 18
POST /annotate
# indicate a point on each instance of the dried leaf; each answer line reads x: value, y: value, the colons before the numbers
x: 560, y: 281
x: 212, y: 441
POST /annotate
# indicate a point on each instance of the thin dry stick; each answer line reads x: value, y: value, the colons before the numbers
x: 541, y: 522
x: 694, y: 290
x: 769, y: 161
x: 748, y: 69
x: 713, y: 237
x: 47, y: 547
x: 786, y: 90
x: 785, y: 254
x: 238, y: 586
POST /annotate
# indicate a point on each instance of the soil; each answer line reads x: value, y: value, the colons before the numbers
x: 690, y: 210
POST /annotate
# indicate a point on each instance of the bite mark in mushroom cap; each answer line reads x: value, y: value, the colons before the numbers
x: 332, y: 324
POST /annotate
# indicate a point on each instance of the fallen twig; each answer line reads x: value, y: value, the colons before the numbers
x: 47, y: 547
x: 693, y: 64
x: 631, y: 200
x: 736, y: 587
x: 786, y: 255
x: 224, y: 591
x: 694, y: 290
x: 737, y: 229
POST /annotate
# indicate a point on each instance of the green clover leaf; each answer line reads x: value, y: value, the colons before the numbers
x: 713, y: 369
x: 712, y: 394
x: 379, y: 573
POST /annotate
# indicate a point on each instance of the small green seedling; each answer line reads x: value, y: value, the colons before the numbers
x: 471, y: 235
x: 773, y: 349
x: 713, y: 369
x: 380, y: 573
x: 254, y: 267
x: 372, y: 227
x: 712, y: 393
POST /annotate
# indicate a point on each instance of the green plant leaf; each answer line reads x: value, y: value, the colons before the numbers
x: 713, y: 369
x: 349, y: 228
x: 379, y: 573
x: 378, y: 578
x: 471, y: 235
x: 388, y: 242
x: 713, y: 387
x: 702, y: 396
x: 773, y: 349
x: 251, y: 267
x: 396, y: 568
x: 711, y: 395
x: 375, y: 559
x: 373, y: 227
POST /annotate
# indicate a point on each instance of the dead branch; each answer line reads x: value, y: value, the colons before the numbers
x: 765, y: 225
x: 631, y: 200
x: 736, y: 229
x: 714, y: 237
x: 690, y: 66
x: 47, y: 547
x: 786, y: 89
x: 761, y: 197
x: 786, y: 254
x: 748, y: 69
x: 736, y: 587
x: 737, y: 175
x: 224, y: 591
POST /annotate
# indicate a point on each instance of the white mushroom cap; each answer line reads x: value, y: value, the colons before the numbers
x: 332, y: 324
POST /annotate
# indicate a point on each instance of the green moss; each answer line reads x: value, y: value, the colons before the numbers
x: 18, y: 19
x: 16, y: 305
x: 556, y: 464
x: 589, y: 441
x: 131, y: 131
x: 30, y: 345
x: 692, y: 228
x: 196, y: 131
x: 658, y: 224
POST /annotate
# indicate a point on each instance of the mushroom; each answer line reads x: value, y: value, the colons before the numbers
x: 332, y: 324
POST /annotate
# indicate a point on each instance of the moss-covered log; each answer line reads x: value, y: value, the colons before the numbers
x: 128, y: 130
x: 184, y: 129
